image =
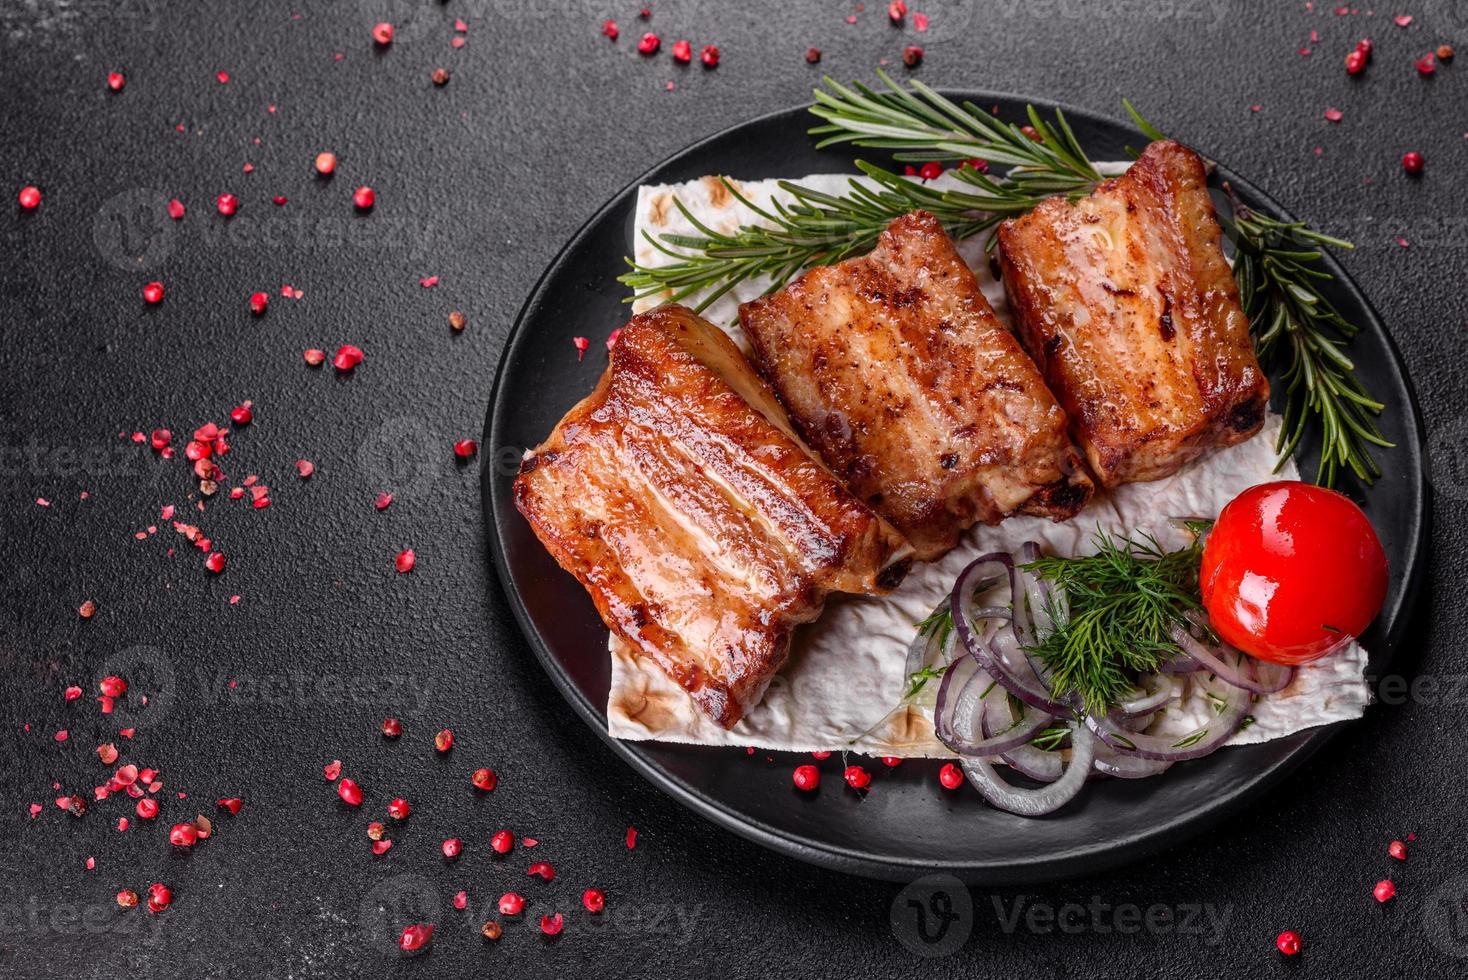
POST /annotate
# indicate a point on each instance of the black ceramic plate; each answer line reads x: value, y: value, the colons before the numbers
x: 906, y: 826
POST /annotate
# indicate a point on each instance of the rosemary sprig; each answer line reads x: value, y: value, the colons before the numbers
x: 1296, y: 328
x: 922, y: 124
x: 1276, y: 265
x: 1122, y: 602
x: 813, y: 229
x: 817, y: 229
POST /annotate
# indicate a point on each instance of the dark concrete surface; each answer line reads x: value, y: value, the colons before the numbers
x: 479, y: 183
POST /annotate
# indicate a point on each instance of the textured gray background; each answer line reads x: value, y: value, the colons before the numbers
x: 482, y: 182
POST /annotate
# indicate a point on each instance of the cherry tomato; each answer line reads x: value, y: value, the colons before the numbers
x: 1290, y: 570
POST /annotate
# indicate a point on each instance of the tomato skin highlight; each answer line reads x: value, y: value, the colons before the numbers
x: 1291, y: 569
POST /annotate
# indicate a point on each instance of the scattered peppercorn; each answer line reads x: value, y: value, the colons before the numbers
x: 159, y: 897
x: 440, y: 77
x: 1288, y: 943
x: 415, y: 937
x: 1412, y: 162
x: 912, y: 56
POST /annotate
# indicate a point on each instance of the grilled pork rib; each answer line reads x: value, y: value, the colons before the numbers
x: 680, y: 497
x: 895, y: 369
x: 1126, y: 302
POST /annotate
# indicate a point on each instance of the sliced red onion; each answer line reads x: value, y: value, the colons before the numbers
x: 965, y: 728
x: 1181, y: 665
x: 1238, y: 676
x: 1046, y: 799
x: 1125, y: 766
x: 1194, y: 745
x: 1008, y: 672
x: 1140, y: 723
x: 1146, y: 703
x: 1039, y: 765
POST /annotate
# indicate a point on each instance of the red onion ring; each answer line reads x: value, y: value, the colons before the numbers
x: 981, y: 651
x: 1216, y: 665
x: 970, y: 716
x: 1046, y: 799
x: 1194, y: 745
x: 1124, y: 766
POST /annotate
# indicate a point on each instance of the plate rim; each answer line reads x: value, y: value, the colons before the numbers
x: 1052, y: 865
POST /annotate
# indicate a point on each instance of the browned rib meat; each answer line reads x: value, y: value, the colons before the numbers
x: 705, y: 532
x: 1127, y: 304
x: 896, y: 370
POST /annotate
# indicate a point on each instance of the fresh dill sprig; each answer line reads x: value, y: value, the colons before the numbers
x: 1122, y: 602
x: 939, y: 622
x: 1049, y: 739
x: 918, y: 680
x: 1299, y: 332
